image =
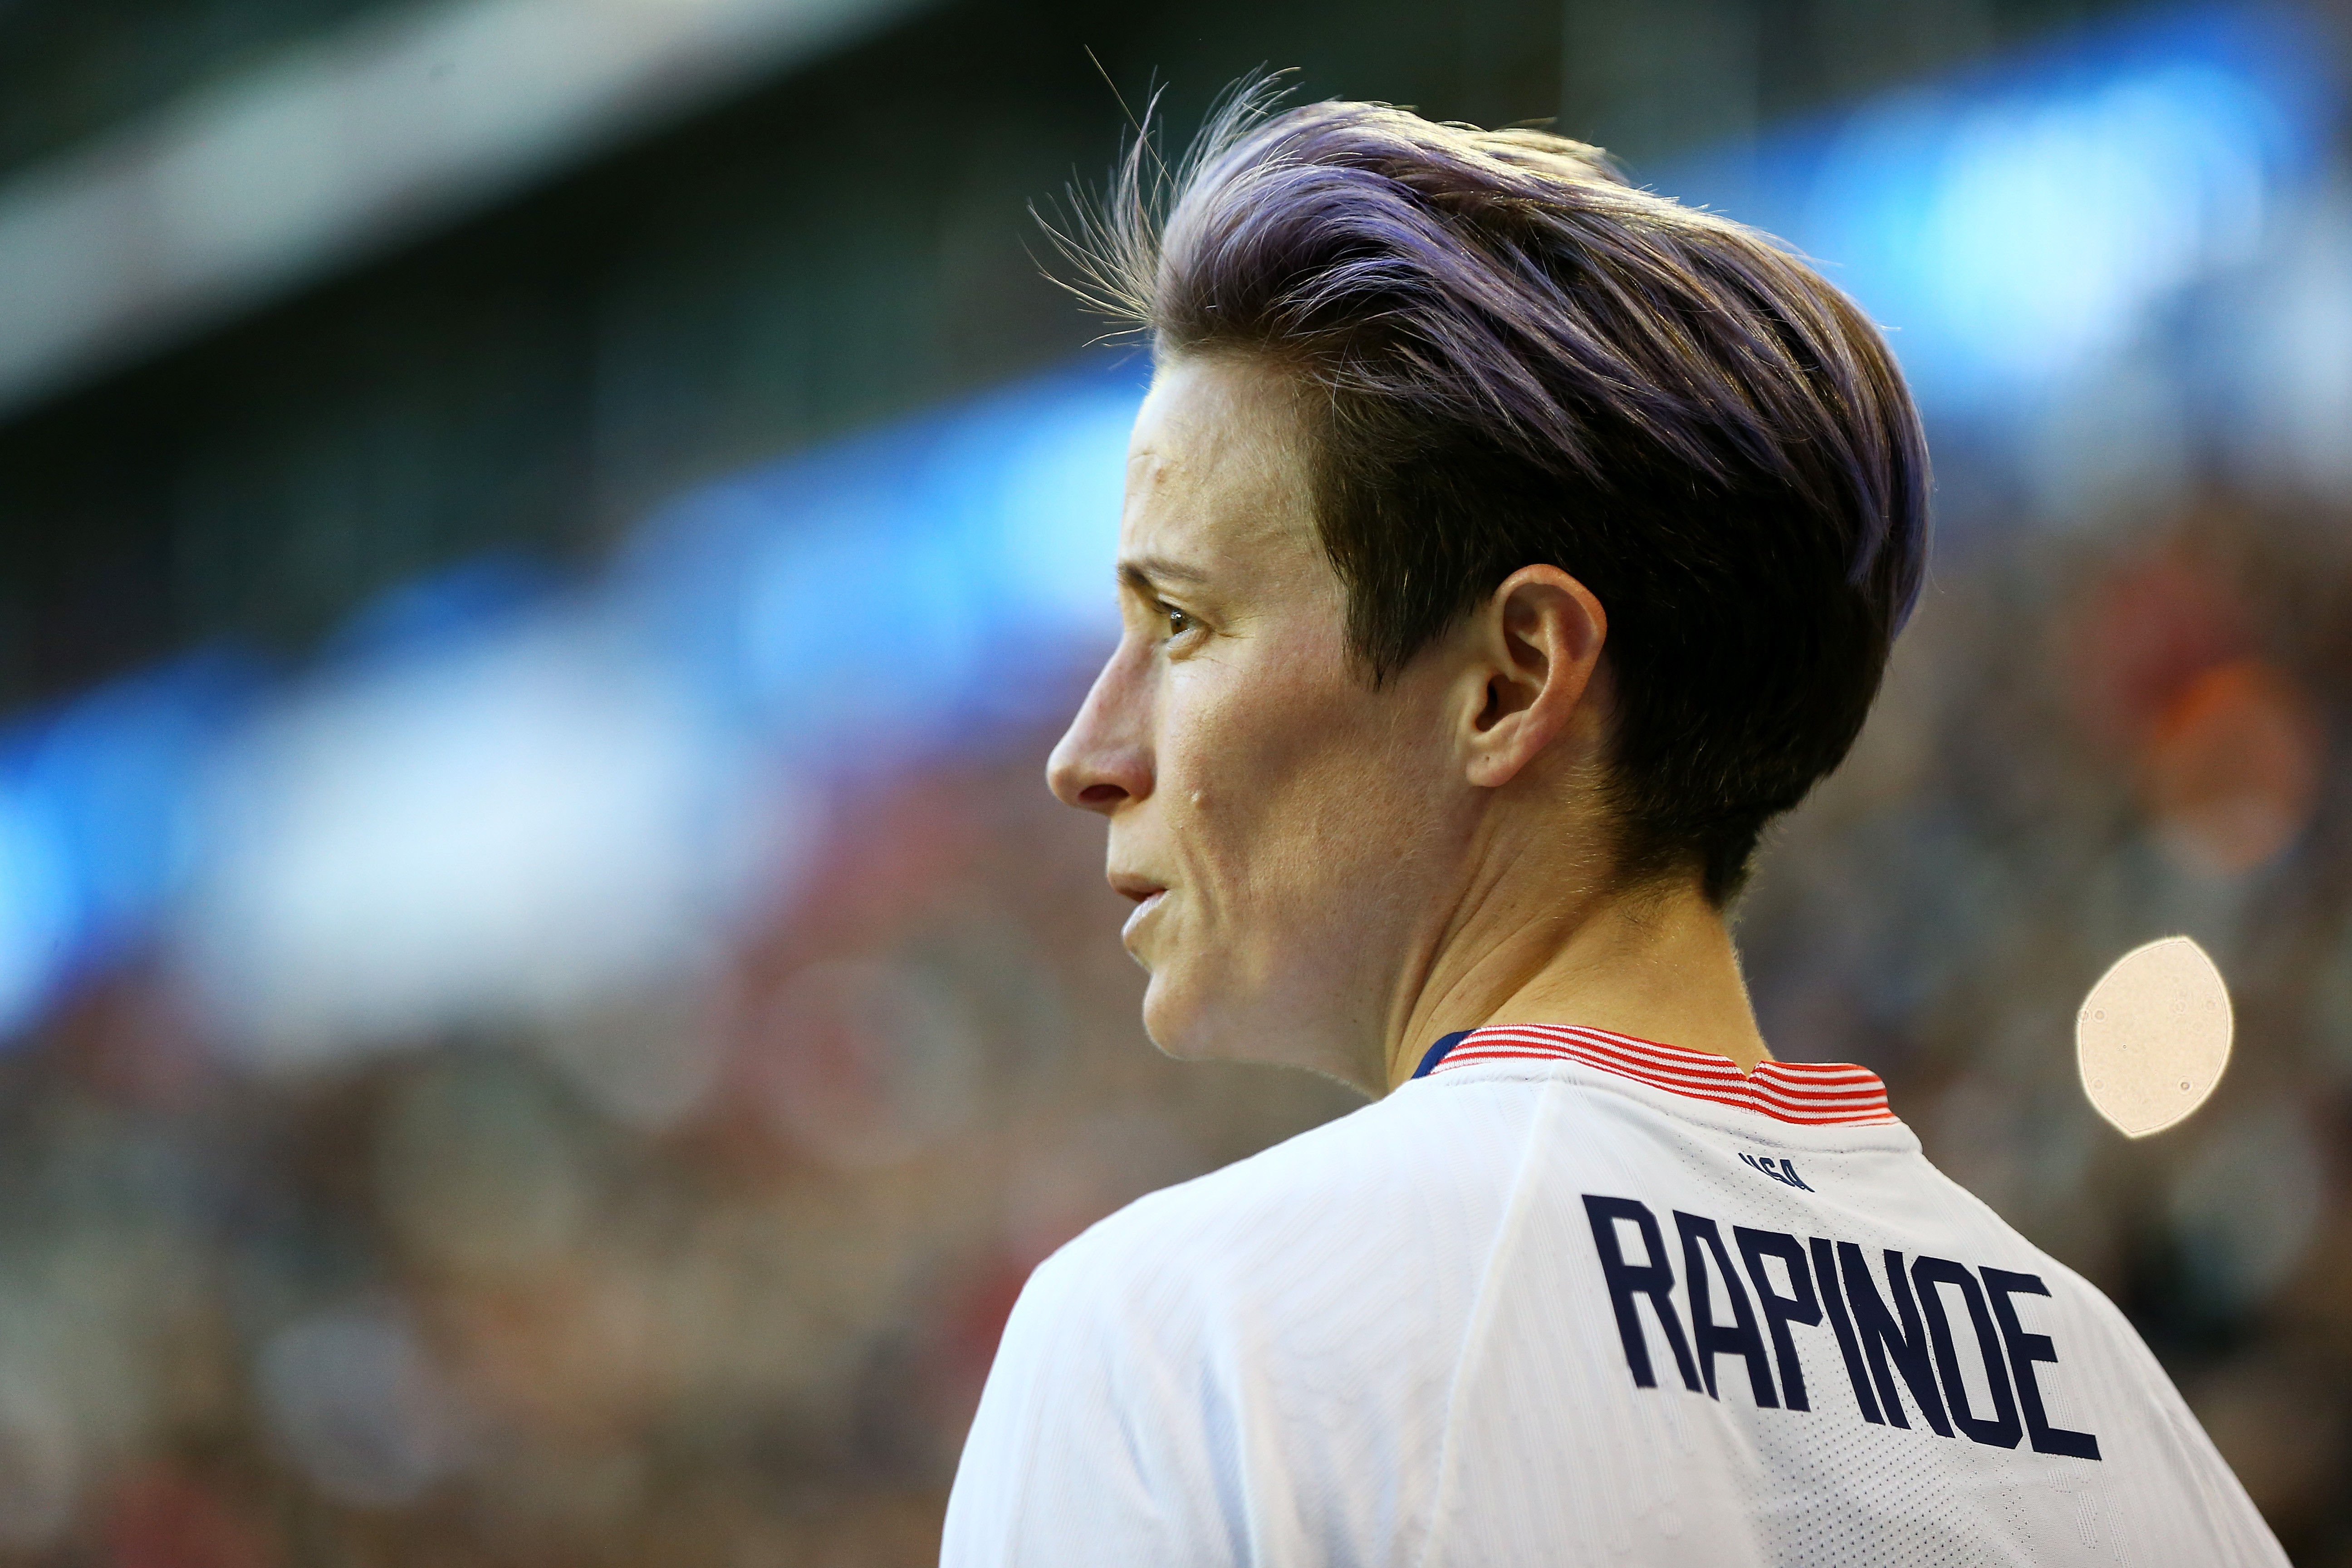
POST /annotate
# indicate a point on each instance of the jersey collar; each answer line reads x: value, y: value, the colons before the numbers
x: 1811, y: 1094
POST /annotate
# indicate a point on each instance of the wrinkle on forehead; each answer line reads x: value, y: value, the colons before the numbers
x: 1216, y: 464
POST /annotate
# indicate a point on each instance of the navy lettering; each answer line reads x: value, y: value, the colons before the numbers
x: 1654, y: 1279
x: 1800, y: 1306
x: 1883, y: 1336
x: 1709, y: 1338
x: 1825, y: 1270
x: 1781, y: 1170
x: 2002, y: 1431
x: 2024, y: 1349
x: 1894, y: 1340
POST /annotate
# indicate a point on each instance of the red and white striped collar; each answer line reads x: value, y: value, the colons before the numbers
x: 1811, y: 1094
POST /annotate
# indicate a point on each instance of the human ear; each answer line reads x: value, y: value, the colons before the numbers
x: 1534, y: 643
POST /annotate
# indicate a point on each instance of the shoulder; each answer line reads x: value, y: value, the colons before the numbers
x: 1359, y: 1180
x: 1270, y: 1313
x: 1386, y: 1213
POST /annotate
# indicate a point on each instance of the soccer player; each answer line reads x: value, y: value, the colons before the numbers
x: 1503, y: 549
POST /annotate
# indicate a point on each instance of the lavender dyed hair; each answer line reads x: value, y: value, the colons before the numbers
x: 1516, y: 358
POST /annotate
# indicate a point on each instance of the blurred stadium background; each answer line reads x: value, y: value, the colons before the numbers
x: 546, y: 1011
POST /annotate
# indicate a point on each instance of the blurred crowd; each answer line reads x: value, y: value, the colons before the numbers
x: 574, y: 1066
x: 2088, y: 741
x: 713, y: 1273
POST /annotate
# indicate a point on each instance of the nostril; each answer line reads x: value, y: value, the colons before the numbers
x: 1102, y: 794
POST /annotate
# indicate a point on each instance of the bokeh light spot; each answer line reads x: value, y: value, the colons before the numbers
x: 2153, y: 1036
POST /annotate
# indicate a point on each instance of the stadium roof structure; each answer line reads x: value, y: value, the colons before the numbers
x: 399, y: 122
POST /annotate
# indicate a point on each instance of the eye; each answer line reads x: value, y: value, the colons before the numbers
x: 1178, y: 623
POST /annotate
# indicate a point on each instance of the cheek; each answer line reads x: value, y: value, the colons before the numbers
x: 1279, y: 785
x: 1236, y: 746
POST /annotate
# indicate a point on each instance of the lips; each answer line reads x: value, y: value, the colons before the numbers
x: 1146, y: 893
x: 1143, y: 907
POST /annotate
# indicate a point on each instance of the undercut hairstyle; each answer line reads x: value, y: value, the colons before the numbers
x: 1512, y: 357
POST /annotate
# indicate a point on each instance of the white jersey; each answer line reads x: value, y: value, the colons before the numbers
x: 1573, y: 1298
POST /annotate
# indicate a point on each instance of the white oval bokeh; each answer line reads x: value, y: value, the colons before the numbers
x: 2153, y: 1035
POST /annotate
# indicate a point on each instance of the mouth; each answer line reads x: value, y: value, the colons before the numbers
x: 1146, y: 893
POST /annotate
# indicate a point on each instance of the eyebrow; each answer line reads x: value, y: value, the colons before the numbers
x: 1147, y: 572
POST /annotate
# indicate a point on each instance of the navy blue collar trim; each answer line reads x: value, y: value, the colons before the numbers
x: 1437, y: 1053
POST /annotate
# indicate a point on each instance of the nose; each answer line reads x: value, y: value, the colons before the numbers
x: 1104, y: 760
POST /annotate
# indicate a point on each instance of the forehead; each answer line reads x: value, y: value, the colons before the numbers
x: 1216, y: 467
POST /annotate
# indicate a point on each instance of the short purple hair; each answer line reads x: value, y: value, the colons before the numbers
x: 1513, y: 358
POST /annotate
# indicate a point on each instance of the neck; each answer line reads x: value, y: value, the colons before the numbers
x: 1657, y: 964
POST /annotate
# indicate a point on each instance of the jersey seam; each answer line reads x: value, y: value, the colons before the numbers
x: 1483, y: 1310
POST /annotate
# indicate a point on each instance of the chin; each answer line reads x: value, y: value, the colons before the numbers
x: 1192, y: 1022
x: 1194, y: 1017
x: 1172, y: 1019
